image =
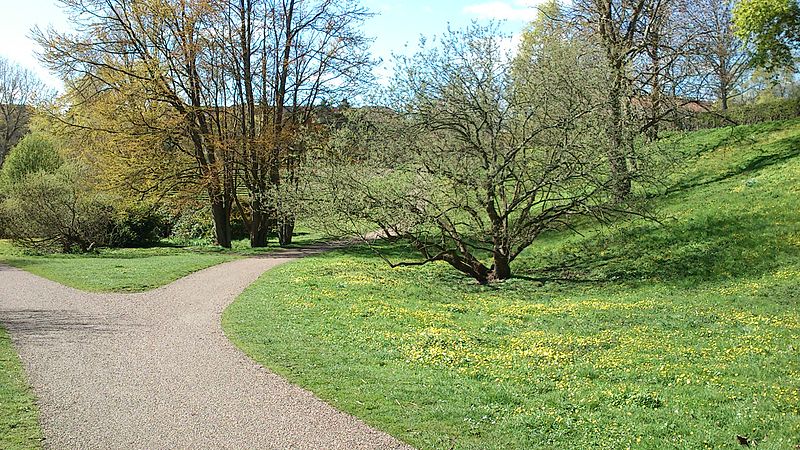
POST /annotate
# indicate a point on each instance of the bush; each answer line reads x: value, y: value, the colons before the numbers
x: 743, y: 115
x: 139, y: 226
x: 34, y: 153
x: 55, y: 212
x: 193, y: 225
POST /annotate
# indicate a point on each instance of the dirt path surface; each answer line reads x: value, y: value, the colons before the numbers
x: 154, y: 370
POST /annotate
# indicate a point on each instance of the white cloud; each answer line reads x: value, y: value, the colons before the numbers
x: 519, y: 10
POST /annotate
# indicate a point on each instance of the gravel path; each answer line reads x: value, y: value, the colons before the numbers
x: 154, y: 370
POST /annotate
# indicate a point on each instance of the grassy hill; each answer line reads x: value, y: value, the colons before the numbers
x: 680, y: 334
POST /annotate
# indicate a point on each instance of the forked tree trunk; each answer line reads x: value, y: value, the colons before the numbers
x: 501, y: 268
x: 259, y: 225
x: 468, y: 265
x: 259, y: 228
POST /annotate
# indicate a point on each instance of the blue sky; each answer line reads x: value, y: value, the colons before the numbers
x: 398, y: 23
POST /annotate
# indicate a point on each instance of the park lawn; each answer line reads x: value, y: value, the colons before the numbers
x: 136, y: 269
x: 678, y: 335
x: 19, y: 427
x: 115, y: 270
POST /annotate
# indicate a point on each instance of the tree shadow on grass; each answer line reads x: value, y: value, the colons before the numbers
x: 784, y: 150
x: 714, y: 249
x: 721, y: 246
x: 395, y: 251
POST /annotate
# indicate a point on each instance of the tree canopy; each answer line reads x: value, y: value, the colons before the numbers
x: 773, y: 26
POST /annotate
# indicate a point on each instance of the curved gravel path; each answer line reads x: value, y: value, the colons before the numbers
x: 154, y: 370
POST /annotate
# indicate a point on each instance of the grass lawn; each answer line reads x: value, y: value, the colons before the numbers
x: 19, y: 428
x: 135, y: 269
x: 115, y: 270
x: 679, y: 335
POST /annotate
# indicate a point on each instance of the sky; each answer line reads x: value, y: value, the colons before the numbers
x: 396, y: 28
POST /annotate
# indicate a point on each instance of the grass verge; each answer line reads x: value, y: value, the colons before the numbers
x: 19, y: 427
x: 135, y: 269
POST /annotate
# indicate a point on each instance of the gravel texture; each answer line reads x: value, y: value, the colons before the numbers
x: 154, y: 370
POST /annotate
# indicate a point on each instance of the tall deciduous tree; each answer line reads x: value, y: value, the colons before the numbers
x: 625, y: 29
x: 152, y: 54
x: 232, y: 84
x: 285, y: 57
x: 719, y: 59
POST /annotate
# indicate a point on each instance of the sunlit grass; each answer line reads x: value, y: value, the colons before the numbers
x: 18, y: 412
x: 682, y: 334
x: 117, y: 270
x: 136, y: 269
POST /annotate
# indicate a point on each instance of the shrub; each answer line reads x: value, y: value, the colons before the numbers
x: 192, y: 225
x: 139, y: 226
x: 55, y: 211
x: 748, y: 114
x: 34, y: 153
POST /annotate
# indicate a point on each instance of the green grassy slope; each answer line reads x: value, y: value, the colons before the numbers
x: 680, y: 335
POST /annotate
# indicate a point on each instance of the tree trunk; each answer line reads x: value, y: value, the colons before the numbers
x: 616, y: 152
x: 501, y: 269
x: 259, y: 228
x: 724, y: 89
x: 222, y: 223
x: 286, y: 231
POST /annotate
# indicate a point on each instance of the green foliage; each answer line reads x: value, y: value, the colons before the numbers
x: 536, y: 37
x: 34, y: 153
x: 56, y: 211
x: 193, y: 225
x: 19, y: 427
x: 774, y: 27
x: 681, y: 334
x: 139, y: 226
